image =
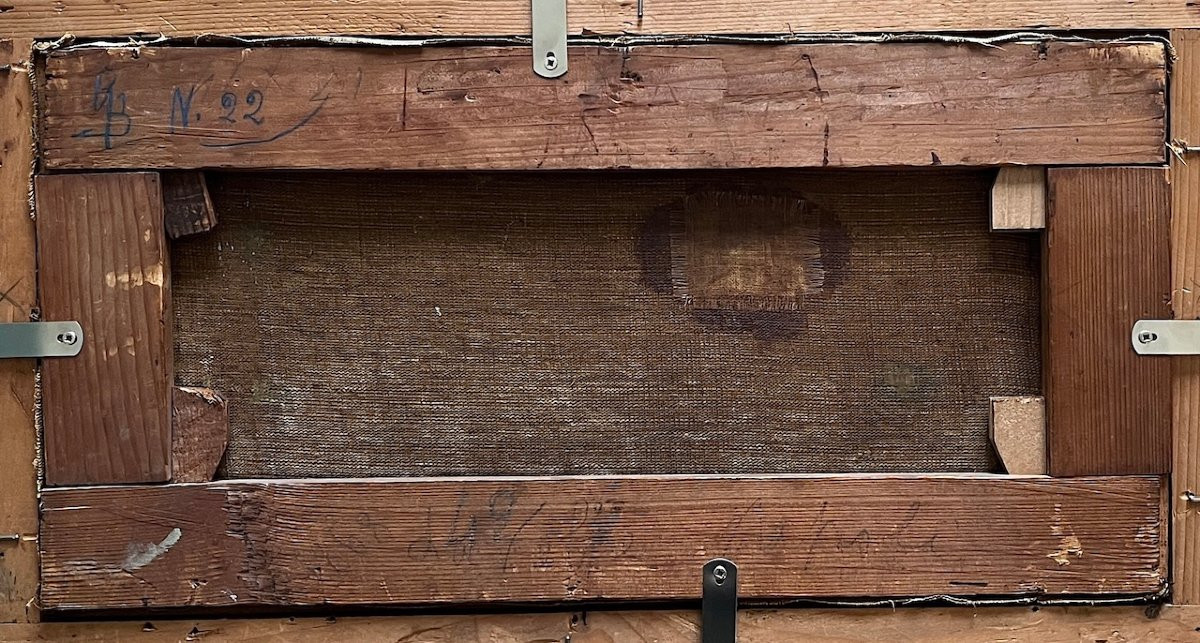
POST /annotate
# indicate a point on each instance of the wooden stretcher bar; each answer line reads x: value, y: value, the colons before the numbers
x: 652, y: 107
x: 444, y: 541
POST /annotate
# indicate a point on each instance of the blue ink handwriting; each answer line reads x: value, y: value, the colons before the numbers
x: 108, y: 101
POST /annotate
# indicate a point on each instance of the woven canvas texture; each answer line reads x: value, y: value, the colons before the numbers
x: 420, y: 324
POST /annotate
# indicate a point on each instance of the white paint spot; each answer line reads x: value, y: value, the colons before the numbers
x: 140, y: 555
x: 152, y: 275
x: 1070, y: 546
x: 437, y: 310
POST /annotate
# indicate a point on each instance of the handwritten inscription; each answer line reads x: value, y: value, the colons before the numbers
x: 111, y: 106
x: 181, y: 108
x: 253, y: 102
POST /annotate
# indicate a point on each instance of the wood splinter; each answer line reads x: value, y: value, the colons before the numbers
x: 200, y: 433
x: 187, y: 205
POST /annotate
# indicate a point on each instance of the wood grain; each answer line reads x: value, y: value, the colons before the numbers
x: 18, y: 299
x: 102, y: 262
x: 926, y: 624
x: 200, y: 431
x: 49, y: 18
x: 1019, y: 199
x: 1185, y: 300
x: 187, y: 205
x: 1108, y: 410
x: 1018, y: 431
x: 639, y: 107
x: 421, y: 541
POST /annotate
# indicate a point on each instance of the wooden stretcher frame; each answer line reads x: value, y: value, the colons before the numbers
x: 258, y: 497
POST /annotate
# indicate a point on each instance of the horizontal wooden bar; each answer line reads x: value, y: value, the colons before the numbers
x: 49, y: 18
x: 708, y: 106
x: 422, y: 541
x: 954, y: 624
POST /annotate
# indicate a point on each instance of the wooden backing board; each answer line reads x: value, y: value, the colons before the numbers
x: 1185, y: 300
x: 50, y: 18
x: 103, y: 262
x: 420, y: 541
x: 18, y: 299
x: 641, y: 107
x: 1108, y: 410
x: 926, y: 624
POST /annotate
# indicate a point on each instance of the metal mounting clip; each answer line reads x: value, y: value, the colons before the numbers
x: 1166, y: 337
x: 40, y: 339
x: 549, y: 38
x: 718, y: 602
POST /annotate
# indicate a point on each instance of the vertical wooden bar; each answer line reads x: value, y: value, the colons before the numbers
x: 1108, y: 410
x: 103, y: 262
x: 1185, y: 300
x: 18, y: 297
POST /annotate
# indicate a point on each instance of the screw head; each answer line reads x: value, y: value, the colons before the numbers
x: 69, y: 338
x: 1145, y: 337
x: 551, y: 60
x: 720, y: 574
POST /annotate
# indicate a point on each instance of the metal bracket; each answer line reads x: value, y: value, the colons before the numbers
x: 40, y: 339
x: 549, y: 38
x: 718, y: 602
x: 1166, y: 337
